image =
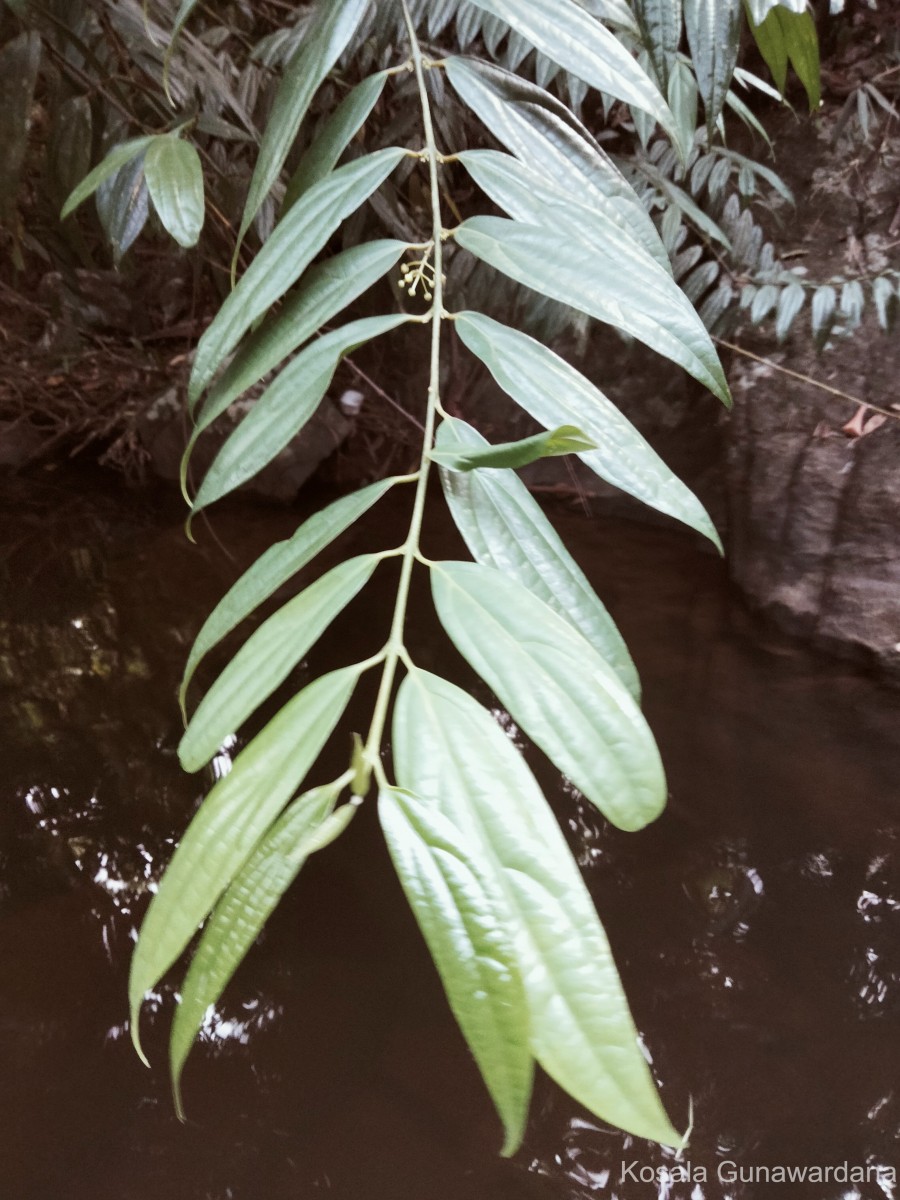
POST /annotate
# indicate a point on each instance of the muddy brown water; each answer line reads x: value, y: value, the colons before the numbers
x: 755, y: 924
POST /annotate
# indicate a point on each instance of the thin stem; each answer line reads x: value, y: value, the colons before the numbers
x: 395, y: 648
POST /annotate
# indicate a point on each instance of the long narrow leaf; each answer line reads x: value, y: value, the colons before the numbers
x: 276, y: 566
x: 504, y: 527
x: 306, y: 825
x: 285, y: 407
x: 713, y: 32
x: 326, y: 288
x: 541, y: 132
x: 566, y: 439
x: 598, y: 281
x: 324, y: 43
x: 555, y: 685
x: 228, y: 825
x: 461, y: 910
x: 449, y: 751
x: 660, y: 25
x: 268, y: 657
x: 294, y: 243
x: 116, y: 158
x: 578, y: 43
x: 553, y: 392
x: 334, y: 137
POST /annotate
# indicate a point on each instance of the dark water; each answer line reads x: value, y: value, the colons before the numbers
x: 757, y: 924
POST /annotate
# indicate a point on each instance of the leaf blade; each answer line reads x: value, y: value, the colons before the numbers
x: 555, y: 685
x: 552, y: 391
x: 267, y: 658
x: 504, y: 527
x: 228, y: 825
x: 565, y: 439
x: 449, y: 751
x: 460, y: 912
x: 175, y: 180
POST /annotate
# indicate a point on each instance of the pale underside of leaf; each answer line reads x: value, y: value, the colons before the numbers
x: 553, y: 391
x: 285, y: 407
x: 460, y: 909
x: 243, y: 910
x: 578, y: 43
x: 294, y: 243
x: 451, y: 753
x: 591, y: 279
x: 333, y: 27
x: 545, y: 136
x: 276, y: 566
x: 504, y: 527
x: 556, y: 687
x: 228, y: 825
x: 268, y: 657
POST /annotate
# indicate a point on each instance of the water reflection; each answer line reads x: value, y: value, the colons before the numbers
x: 756, y: 923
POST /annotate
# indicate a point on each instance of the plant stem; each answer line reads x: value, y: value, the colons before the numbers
x: 395, y: 647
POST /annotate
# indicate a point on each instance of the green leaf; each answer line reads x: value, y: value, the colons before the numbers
x: 285, y: 407
x: 306, y: 825
x: 342, y: 125
x: 573, y: 39
x: 679, y: 198
x: 123, y: 205
x: 461, y: 911
x: 534, y: 199
x: 268, y: 657
x: 556, y: 686
x: 325, y: 289
x: 543, y: 134
x: 20, y: 59
x: 660, y: 25
x: 785, y: 36
x: 324, y: 43
x: 504, y: 527
x: 276, y: 566
x: 553, y: 392
x: 601, y: 281
x: 117, y: 157
x: 175, y: 179
x: 566, y: 439
x: 713, y: 32
x: 682, y: 95
x: 229, y: 824
x: 294, y: 242
x: 449, y: 751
